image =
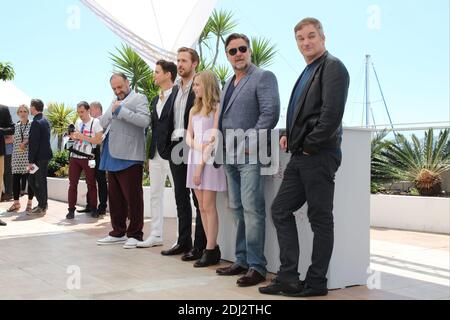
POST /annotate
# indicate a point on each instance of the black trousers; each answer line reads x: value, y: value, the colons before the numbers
x: 38, y: 183
x: 7, y: 176
x: 307, y: 179
x: 184, y: 209
x: 102, y: 184
x: 19, y: 185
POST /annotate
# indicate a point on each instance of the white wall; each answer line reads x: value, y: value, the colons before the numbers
x: 351, y: 254
x: 423, y: 214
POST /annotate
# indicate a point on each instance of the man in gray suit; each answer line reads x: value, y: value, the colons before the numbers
x: 250, y: 103
x: 123, y: 157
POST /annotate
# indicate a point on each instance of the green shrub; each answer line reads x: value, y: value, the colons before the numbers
x: 62, y: 172
x: 59, y: 160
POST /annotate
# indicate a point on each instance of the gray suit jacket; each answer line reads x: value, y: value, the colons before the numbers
x: 127, y: 130
x: 255, y: 104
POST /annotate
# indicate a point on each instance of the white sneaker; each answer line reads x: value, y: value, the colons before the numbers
x: 131, y: 243
x: 111, y: 240
x: 152, y: 241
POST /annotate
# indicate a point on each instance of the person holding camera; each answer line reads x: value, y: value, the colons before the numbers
x: 84, y: 138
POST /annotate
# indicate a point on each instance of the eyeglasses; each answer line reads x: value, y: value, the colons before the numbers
x: 242, y: 49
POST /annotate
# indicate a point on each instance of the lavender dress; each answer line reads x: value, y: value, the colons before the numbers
x: 213, y: 179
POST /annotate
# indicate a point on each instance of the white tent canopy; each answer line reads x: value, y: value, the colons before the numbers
x: 11, y: 96
x: 155, y: 29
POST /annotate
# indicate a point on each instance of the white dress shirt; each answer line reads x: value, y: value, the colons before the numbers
x: 179, y: 110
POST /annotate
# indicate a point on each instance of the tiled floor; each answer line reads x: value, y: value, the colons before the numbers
x: 40, y: 258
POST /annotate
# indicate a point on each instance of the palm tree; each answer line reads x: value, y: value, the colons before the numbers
x: 421, y: 162
x: 204, y: 65
x: 221, y: 24
x: 377, y: 170
x: 223, y: 73
x: 263, y: 52
x: 132, y: 65
x: 204, y: 38
x: 60, y: 116
x: 6, y: 71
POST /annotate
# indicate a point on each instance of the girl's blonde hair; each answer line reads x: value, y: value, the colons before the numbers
x: 211, y: 93
x: 23, y: 106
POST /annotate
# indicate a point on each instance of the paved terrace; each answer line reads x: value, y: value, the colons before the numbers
x: 36, y: 253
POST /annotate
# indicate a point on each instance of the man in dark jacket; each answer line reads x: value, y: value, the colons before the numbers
x: 39, y: 155
x: 313, y: 136
x: 6, y: 129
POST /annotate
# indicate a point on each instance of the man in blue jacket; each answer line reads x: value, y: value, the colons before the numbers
x: 39, y: 155
x: 6, y: 129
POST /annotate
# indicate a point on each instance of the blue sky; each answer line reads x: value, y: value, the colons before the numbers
x: 408, y: 41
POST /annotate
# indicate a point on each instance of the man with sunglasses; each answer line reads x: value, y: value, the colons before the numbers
x: 313, y: 136
x: 249, y: 103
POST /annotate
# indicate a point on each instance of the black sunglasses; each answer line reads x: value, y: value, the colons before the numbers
x: 242, y: 49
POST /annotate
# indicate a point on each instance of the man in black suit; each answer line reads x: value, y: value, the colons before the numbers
x: 313, y: 136
x: 6, y: 129
x: 187, y: 62
x: 39, y: 155
x: 161, y: 129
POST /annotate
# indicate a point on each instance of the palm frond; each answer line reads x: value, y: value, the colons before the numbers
x: 263, y: 52
x: 222, y: 72
x: 418, y: 161
x: 221, y: 23
x: 132, y: 65
x: 60, y: 116
x: 7, y: 72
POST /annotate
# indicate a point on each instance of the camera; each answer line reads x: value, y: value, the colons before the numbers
x: 70, y: 142
x: 71, y: 129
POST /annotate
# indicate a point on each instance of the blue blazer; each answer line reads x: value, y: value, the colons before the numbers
x: 39, y: 144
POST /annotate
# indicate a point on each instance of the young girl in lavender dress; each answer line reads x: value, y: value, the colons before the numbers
x: 202, y: 176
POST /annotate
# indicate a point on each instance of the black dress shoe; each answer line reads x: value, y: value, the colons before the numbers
x: 307, y: 291
x: 209, y: 258
x: 85, y: 210
x: 94, y: 214
x: 101, y: 212
x: 177, y: 249
x: 279, y: 288
x: 252, y: 278
x: 192, y: 255
x: 2, y: 223
x: 232, y: 270
x: 6, y: 197
x: 71, y: 214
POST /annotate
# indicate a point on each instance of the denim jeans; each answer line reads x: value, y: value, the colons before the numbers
x: 246, y: 201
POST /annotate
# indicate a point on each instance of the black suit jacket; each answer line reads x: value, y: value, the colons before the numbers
x: 39, y: 141
x: 6, y: 127
x: 317, y: 122
x: 162, y: 127
x: 189, y: 104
